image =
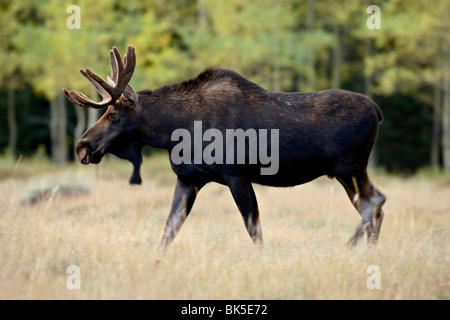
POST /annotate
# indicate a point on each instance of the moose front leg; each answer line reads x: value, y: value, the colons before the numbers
x: 183, y: 199
x: 244, y: 196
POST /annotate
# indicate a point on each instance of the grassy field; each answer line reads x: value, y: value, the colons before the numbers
x: 113, y: 232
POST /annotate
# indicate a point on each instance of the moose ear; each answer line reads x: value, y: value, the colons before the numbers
x: 130, y: 95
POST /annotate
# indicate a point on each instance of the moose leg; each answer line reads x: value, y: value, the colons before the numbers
x: 368, y: 201
x: 245, y: 198
x: 182, y: 202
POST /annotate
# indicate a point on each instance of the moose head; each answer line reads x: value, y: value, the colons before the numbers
x: 115, y: 131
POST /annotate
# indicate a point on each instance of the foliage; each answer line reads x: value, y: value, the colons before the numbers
x: 288, y: 45
x: 397, y: 141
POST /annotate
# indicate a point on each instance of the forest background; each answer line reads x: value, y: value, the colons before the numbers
x: 283, y: 45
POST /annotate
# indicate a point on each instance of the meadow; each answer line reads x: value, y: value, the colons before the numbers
x: 112, y: 233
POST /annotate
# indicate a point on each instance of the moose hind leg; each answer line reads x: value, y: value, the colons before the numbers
x: 368, y: 202
x: 371, y: 218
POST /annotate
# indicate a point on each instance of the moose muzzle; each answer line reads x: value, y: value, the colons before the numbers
x: 83, y: 154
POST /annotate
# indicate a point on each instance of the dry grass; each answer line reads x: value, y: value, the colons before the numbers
x: 114, y: 232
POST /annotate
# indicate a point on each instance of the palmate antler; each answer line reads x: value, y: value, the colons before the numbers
x: 121, y: 73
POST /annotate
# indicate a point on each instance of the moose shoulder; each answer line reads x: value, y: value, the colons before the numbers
x: 220, y: 127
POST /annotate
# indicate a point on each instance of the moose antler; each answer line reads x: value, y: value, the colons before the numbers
x: 121, y: 73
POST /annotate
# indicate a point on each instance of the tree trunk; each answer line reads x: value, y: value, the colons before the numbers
x: 93, y: 114
x: 311, y: 60
x: 368, y: 75
x: 368, y: 78
x: 12, y: 123
x: 202, y: 16
x: 276, y: 51
x: 80, y: 127
x: 437, y: 119
x: 336, y: 59
x: 446, y: 106
x: 58, y: 127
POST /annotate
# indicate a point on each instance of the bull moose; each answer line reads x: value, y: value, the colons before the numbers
x: 330, y: 132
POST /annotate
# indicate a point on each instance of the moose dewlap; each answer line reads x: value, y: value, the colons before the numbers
x: 313, y: 134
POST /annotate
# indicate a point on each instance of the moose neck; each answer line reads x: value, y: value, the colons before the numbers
x: 161, y: 115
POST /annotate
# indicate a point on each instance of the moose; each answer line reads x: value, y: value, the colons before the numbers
x: 330, y: 133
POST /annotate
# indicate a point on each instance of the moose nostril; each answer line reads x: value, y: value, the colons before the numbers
x: 83, y: 154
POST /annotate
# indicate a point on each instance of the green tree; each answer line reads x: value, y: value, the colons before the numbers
x: 410, y: 58
x: 9, y: 73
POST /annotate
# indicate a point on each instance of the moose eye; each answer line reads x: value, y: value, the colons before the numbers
x: 112, y: 117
